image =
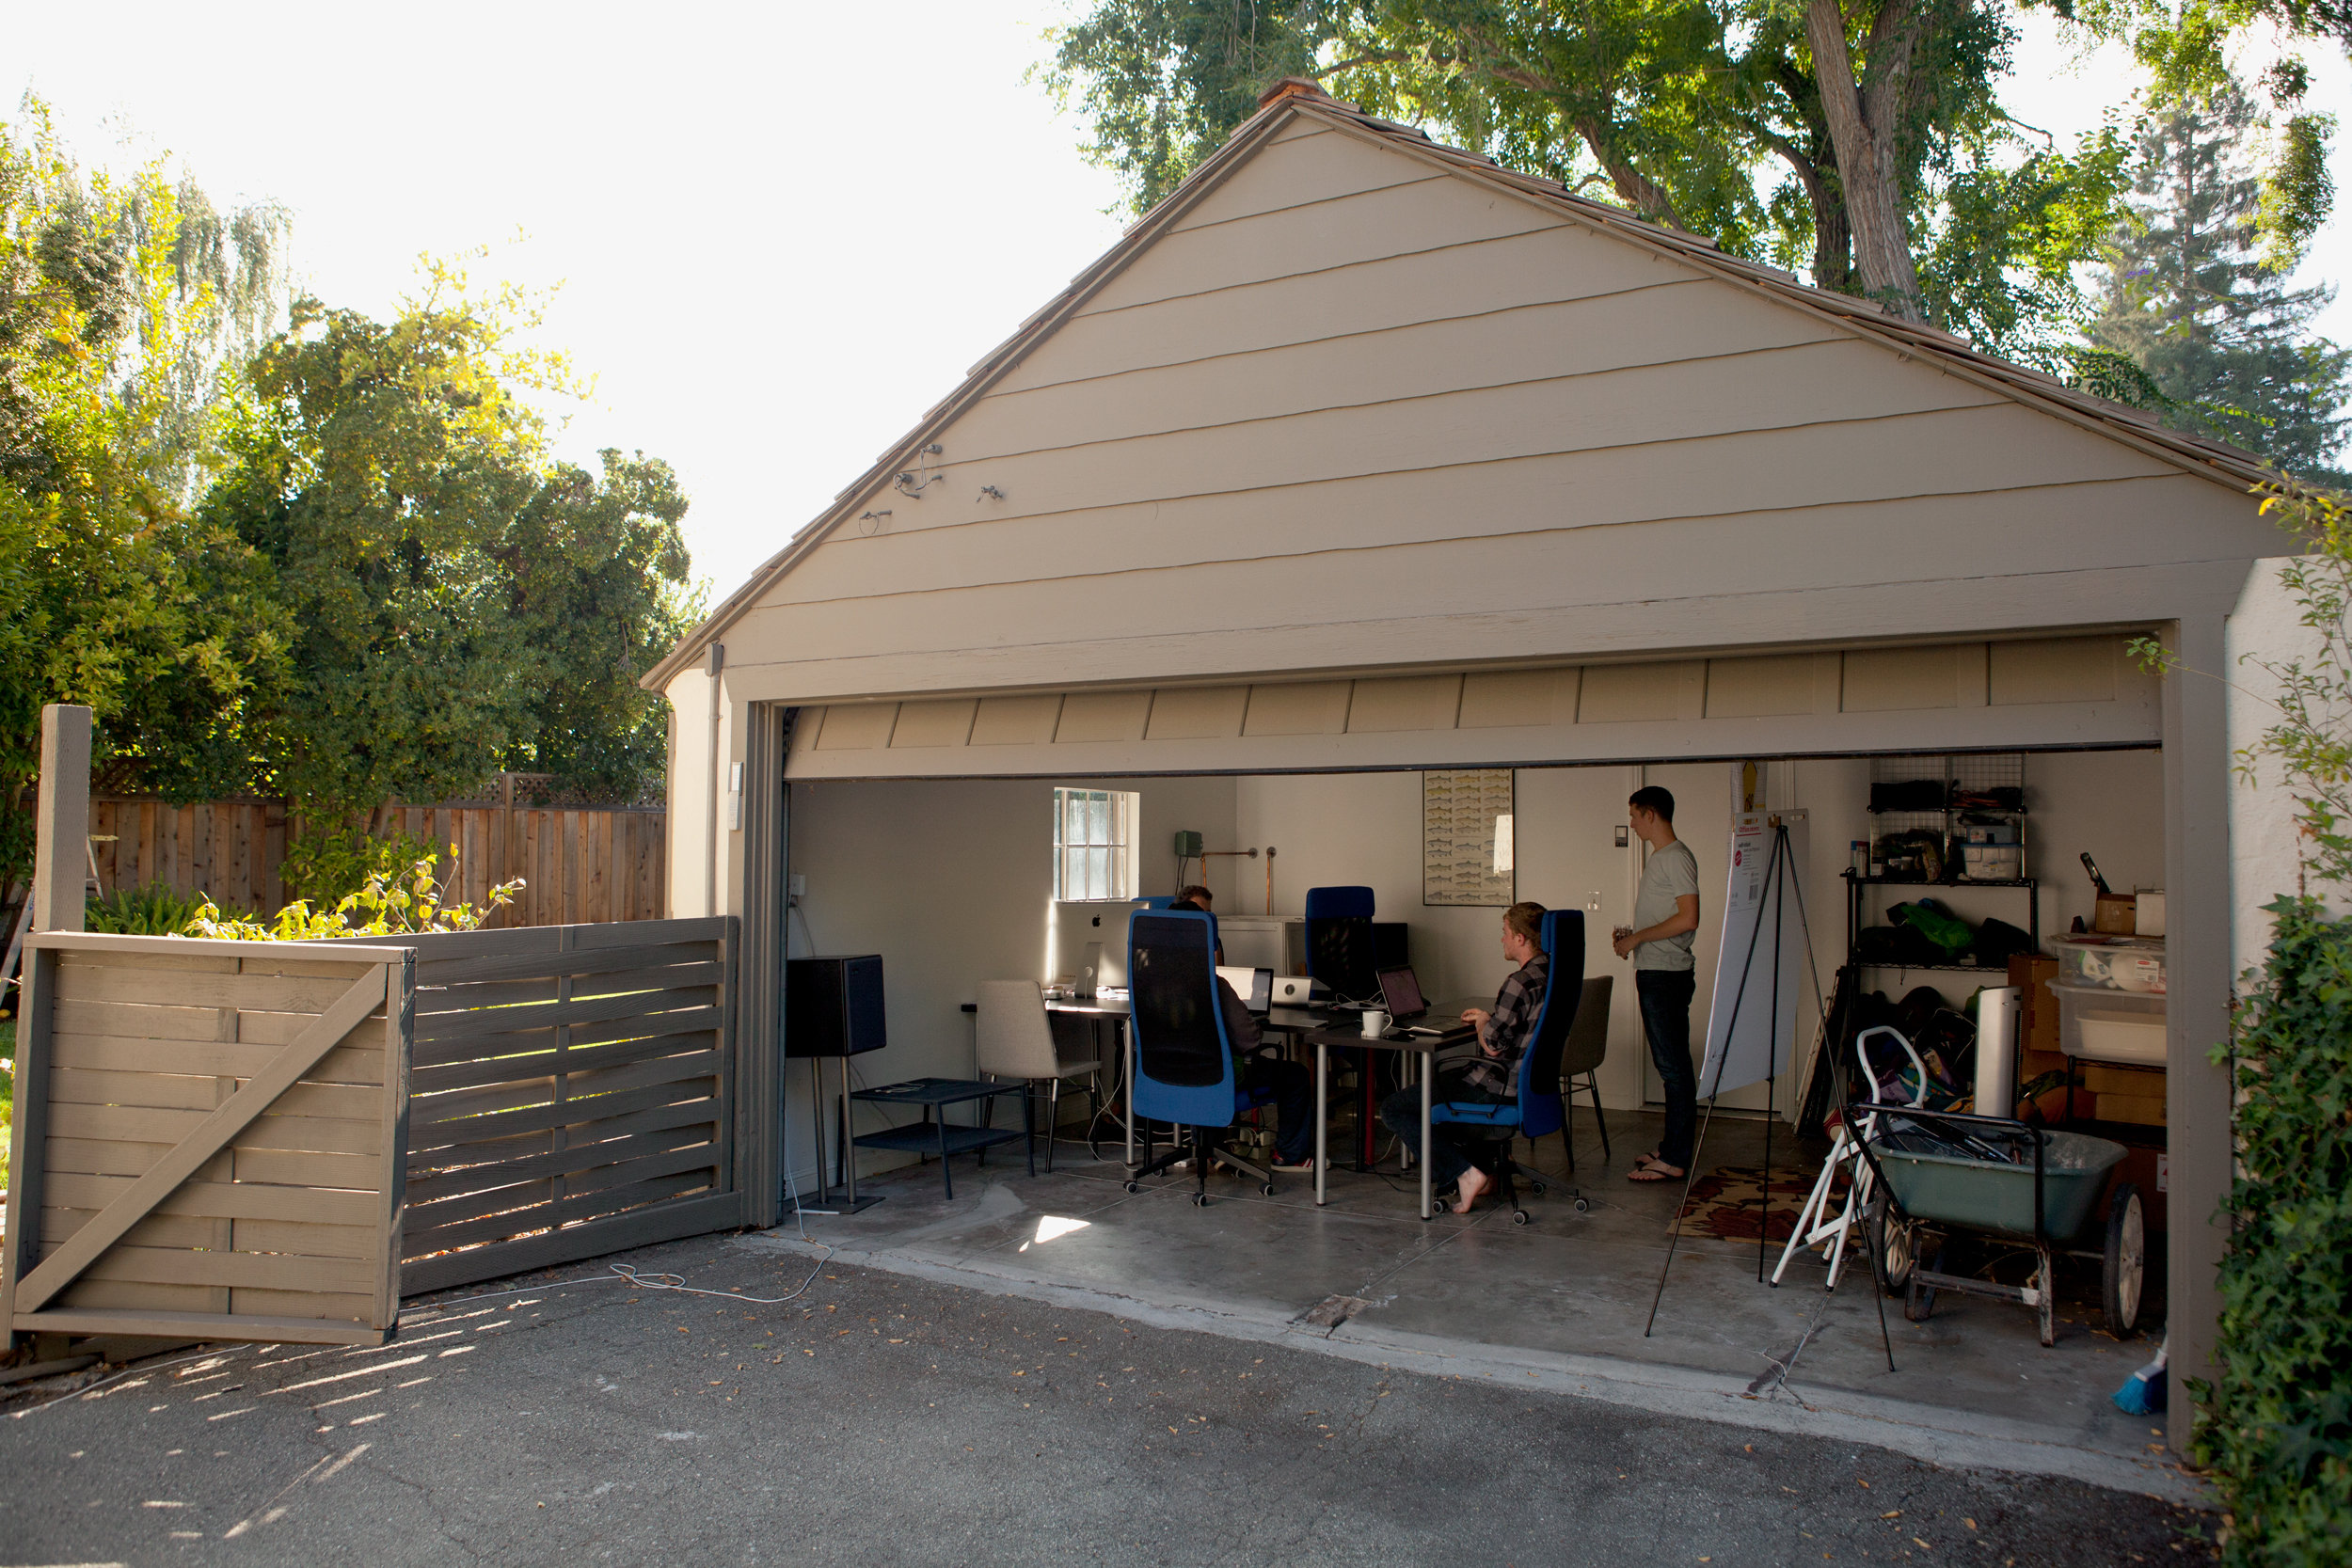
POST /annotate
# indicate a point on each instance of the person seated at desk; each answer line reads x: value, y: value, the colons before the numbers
x: 1490, y: 1078
x: 1292, y: 1084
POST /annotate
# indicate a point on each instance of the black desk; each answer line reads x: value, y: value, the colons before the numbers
x: 1352, y: 1036
x: 932, y: 1135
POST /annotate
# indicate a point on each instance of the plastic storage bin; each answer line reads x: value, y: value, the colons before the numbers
x: 2110, y: 963
x: 2100, y: 1024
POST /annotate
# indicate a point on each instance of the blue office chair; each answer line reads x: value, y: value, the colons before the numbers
x: 1538, y: 1109
x: 1183, y: 1055
x: 1339, y: 954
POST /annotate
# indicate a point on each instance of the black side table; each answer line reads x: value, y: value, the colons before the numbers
x: 933, y: 1135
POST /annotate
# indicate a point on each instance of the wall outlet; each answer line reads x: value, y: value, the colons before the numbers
x: 796, y: 884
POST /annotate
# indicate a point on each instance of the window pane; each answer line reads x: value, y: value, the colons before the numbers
x: 1098, y: 818
x: 1073, y: 818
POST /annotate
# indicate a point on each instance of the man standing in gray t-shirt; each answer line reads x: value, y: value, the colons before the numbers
x: 1665, y: 922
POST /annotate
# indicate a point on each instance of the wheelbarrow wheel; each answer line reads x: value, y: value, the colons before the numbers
x: 1920, y: 1300
x: 2126, y: 1262
x: 1891, y: 1242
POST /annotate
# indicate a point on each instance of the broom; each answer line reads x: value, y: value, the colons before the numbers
x: 2142, y: 1393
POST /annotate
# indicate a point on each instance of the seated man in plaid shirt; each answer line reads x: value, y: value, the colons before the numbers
x: 1491, y: 1077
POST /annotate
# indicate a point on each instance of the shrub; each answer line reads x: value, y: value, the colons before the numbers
x: 152, y: 910
x: 411, y: 904
x: 2275, y: 1426
x: 326, y: 863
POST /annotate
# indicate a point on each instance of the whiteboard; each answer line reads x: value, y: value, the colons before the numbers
x: 1747, y: 1048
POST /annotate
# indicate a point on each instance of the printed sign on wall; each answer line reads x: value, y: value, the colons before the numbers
x: 1467, y: 849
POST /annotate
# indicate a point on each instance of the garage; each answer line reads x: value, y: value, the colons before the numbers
x: 1361, y: 462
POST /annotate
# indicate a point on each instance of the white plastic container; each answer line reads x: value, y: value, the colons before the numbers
x: 2100, y: 1024
x: 2110, y: 963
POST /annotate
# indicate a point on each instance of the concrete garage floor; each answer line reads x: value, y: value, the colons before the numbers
x: 1562, y: 1301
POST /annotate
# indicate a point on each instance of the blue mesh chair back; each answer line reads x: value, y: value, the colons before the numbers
x: 1184, y: 1059
x: 1542, y: 1111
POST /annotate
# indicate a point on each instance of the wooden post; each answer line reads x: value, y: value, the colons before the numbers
x: 61, y: 828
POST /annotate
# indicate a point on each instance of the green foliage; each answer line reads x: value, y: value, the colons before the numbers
x: 153, y: 910
x: 1164, y: 82
x: 115, y: 313
x: 410, y: 904
x: 2189, y: 301
x: 324, y: 862
x: 458, y: 603
x: 2276, y: 1427
x: 1707, y: 115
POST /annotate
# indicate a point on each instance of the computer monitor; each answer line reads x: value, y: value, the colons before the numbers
x: 1087, y: 937
x: 1255, y: 987
x: 1339, y: 954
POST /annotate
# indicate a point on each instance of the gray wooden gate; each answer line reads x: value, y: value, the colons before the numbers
x: 206, y: 1140
x: 574, y: 1092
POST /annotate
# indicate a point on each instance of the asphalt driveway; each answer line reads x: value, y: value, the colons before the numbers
x: 874, y: 1419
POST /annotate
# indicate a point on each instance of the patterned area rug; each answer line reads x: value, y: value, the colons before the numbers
x: 1724, y: 1204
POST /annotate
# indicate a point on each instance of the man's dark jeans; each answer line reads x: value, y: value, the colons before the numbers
x: 1665, y: 998
x: 1401, y: 1114
x: 1293, y: 1090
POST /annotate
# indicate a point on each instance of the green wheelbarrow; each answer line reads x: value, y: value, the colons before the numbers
x: 1941, y: 1174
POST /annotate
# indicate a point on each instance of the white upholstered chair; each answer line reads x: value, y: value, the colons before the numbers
x: 1016, y: 1039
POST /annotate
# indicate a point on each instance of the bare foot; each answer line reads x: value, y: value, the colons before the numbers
x: 1474, y: 1184
x: 1656, y: 1170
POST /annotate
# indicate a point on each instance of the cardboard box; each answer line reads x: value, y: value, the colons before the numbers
x: 2107, y: 1078
x: 2031, y: 974
x: 2116, y: 915
x: 2140, y: 1110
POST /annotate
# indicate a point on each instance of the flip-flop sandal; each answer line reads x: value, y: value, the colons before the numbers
x: 1657, y: 1172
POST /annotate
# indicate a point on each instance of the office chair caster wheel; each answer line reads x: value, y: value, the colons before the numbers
x: 1537, y: 1188
x: 1518, y: 1216
x: 1584, y: 1205
x: 1135, y: 1186
x: 1266, y: 1187
x: 1199, y: 1200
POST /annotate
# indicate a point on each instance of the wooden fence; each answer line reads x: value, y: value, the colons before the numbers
x: 277, y: 1141
x: 573, y: 1094
x: 208, y: 1140
x: 579, y: 865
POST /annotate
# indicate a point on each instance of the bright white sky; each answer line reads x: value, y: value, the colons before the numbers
x: 783, y: 233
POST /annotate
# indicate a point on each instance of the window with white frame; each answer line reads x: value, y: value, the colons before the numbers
x: 1094, y: 843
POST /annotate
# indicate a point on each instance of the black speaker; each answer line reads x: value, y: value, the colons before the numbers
x: 833, y: 1006
x: 1388, y: 948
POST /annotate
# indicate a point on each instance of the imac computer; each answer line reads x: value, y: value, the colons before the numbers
x: 1086, y: 943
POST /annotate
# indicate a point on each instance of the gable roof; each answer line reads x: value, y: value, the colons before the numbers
x: 1294, y: 99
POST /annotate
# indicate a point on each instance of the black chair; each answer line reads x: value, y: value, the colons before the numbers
x: 1184, y: 1057
x: 1538, y: 1109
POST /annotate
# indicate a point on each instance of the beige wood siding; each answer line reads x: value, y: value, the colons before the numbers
x: 2063, y: 691
x: 1354, y: 412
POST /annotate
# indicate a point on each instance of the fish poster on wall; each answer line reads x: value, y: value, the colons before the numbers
x: 1468, y: 850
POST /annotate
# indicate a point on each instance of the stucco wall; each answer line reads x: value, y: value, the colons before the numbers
x: 2267, y: 626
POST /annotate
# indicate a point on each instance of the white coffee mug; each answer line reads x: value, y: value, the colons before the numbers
x: 1376, y: 1024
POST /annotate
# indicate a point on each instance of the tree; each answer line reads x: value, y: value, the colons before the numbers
x: 459, y: 604
x: 113, y: 307
x: 1904, y: 182
x: 2196, y: 305
x: 598, y: 573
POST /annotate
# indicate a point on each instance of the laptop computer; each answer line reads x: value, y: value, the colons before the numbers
x: 1255, y: 987
x: 1400, y: 991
